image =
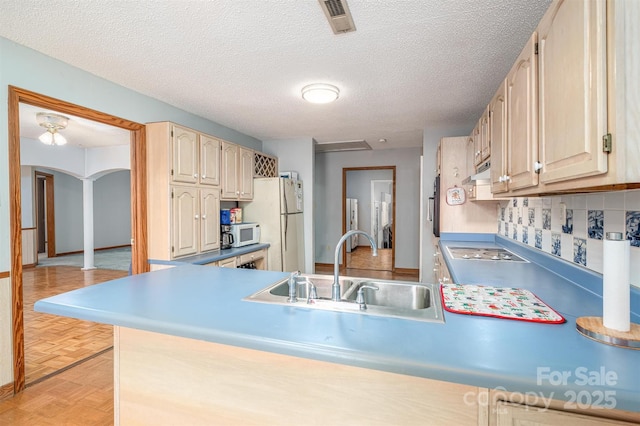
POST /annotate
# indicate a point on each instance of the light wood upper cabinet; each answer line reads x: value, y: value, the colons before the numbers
x: 237, y: 172
x: 483, y: 145
x: 183, y: 192
x: 522, y: 119
x: 498, y: 139
x: 246, y: 174
x: 573, y: 90
x: 185, y: 155
x: 195, y: 157
x: 209, y: 160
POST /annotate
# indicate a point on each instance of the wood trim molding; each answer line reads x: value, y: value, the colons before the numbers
x: 6, y: 391
x: 138, y: 201
x: 50, y: 212
x: 5, y: 274
x: 406, y: 271
x: 344, y: 206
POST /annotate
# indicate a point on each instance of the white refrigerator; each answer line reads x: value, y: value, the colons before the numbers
x: 351, y: 218
x: 277, y: 207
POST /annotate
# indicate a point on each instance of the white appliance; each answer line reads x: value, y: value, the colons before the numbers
x: 277, y: 206
x: 351, y: 212
x: 244, y: 234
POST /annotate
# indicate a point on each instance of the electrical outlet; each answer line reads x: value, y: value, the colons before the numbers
x: 563, y: 213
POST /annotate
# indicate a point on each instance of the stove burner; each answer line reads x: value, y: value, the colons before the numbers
x: 484, y: 253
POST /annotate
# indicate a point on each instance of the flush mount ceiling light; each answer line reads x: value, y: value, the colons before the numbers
x: 320, y: 93
x: 52, y: 122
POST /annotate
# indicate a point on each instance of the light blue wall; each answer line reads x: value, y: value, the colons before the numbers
x: 28, y: 69
x: 328, y: 199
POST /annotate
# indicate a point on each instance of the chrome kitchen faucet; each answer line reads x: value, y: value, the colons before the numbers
x: 336, y: 292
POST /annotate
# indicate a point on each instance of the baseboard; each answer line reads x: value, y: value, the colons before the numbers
x: 327, y: 265
x: 6, y: 391
x: 5, y: 274
x: 406, y: 271
x: 30, y: 265
x: 95, y: 249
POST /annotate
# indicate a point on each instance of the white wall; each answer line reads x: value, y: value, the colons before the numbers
x: 27, y: 189
x: 328, y: 199
x: 297, y: 155
x: 359, y: 186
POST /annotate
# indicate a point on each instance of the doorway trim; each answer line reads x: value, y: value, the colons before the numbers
x: 50, y: 215
x: 393, y: 202
x: 138, y: 202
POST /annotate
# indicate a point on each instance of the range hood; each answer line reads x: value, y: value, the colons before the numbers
x: 482, y: 176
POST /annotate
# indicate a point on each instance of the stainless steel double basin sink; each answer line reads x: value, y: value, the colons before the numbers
x: 398, y: 299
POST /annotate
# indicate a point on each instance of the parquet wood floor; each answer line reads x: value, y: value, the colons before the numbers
x: 53, y: 342
x: 361, y: 258
x: 82, y: 395
x: 365, y: 265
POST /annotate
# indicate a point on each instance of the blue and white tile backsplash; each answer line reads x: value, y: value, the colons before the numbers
x: 577, y: 236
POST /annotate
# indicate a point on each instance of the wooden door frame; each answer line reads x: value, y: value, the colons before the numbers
x: 138, y: 202
x: 50, y: 213
x: 393, y: 202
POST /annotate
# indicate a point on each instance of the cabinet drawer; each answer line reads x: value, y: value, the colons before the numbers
x: 252, y: 257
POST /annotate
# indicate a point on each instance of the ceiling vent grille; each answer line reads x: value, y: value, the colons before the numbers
x: 338, y: 15
x: 338, y: 146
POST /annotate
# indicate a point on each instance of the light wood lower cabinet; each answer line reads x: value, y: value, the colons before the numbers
x: 508, y: 414
x: 257, y: 258
x: 230, y: 262
x: 161, y: 379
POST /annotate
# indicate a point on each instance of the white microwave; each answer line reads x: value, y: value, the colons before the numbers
x: 245, y: 234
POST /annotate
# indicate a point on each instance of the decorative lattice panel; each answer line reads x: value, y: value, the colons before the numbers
x: 265, y: 165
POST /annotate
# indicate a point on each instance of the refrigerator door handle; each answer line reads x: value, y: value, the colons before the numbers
x: 286, y: 226
x: 286, y: 202
x: 430, y: 209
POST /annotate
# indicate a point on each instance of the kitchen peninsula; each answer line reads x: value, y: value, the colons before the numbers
x: 188, y: 349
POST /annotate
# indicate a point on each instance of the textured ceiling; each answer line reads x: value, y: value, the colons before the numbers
x: 411, y: 64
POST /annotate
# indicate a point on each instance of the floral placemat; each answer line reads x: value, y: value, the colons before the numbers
x: 499, y: 302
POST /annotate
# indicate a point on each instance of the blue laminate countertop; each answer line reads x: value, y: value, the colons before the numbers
x: 211, y: 256
x: 206, y: 303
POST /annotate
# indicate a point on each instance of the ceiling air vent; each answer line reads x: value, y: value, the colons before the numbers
x: 357, y: 145
x: 338, y: 14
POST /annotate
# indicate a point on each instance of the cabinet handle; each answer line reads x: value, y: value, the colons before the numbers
x: 507, y: 178
x: 204, y: 176
x: 204, y: 216
x: 195, y: 175
x: 237, y: 192
x: 197, y: 217
x: 445, y: 279
x: 537, y: 166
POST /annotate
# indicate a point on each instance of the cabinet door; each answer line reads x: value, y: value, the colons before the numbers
x: 229, y: 170
x: 185, y: 221
x: 522, y: 119
x: 228, y: 263
x: 185, y: 155
x: 485, y: 150
x: 209, y: 219
x: 522, y: 415
x: 477, y: 148
x: 209, y: 160
x: 498, y: 138
x: 245, y: 175
x: 573, y: 88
